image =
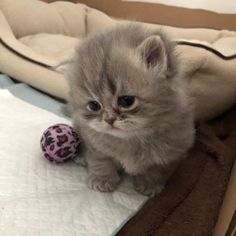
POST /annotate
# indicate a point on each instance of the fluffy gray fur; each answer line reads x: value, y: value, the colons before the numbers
x: 148, y: 140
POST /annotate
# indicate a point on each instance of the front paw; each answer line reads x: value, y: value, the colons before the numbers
x: 145, y: 187
x: 103, y: 183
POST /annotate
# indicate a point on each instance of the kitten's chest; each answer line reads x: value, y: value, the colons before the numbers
x: 111, y: 146
x: 134, y: 157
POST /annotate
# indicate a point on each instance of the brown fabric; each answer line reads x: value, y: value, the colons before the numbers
x: 163, y: 14
x: 191, y: 201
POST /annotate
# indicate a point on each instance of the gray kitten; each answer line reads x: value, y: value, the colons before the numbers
x: 130, y: 106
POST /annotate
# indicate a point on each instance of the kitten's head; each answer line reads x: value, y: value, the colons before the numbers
x: 123, y: 85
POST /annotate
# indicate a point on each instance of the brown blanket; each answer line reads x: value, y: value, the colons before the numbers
x: 191, y: 201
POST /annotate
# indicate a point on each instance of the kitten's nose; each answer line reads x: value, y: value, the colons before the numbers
x: 110, y: 120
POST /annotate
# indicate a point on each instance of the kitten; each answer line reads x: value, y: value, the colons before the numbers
x: 130, y: 106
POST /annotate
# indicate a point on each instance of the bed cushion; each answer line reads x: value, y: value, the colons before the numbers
x: 36, y: 49
x: 57, y: 18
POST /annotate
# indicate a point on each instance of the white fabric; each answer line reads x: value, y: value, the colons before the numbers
x: 40, y: 198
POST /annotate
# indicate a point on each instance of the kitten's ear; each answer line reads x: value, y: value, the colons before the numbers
x: 153, y: 52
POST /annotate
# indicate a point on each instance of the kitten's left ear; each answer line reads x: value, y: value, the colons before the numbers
x: 153, y: 52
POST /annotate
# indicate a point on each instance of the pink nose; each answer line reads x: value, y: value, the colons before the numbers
x: 110, y: 120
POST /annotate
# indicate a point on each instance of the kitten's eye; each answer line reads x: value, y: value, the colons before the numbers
x: 94, y: 106
x: 126, y: 101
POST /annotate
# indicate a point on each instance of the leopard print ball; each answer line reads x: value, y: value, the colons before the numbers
x: 59, y: 143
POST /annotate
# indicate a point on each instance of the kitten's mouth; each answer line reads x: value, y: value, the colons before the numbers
x: 113, y: 127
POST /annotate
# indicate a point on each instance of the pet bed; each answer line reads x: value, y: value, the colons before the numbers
x: 36, y: 37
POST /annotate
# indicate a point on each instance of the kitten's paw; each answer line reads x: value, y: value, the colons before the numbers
x: 146, y: 188
x: 103, y: 184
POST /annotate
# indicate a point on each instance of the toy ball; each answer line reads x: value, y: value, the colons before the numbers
x: 59, y: 143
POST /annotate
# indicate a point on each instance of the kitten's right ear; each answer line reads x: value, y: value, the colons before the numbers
x: 153, y: 53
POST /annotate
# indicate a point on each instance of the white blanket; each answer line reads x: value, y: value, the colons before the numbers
x: 40, y: 198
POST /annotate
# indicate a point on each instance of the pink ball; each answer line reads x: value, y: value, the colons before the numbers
x: 59, y: 143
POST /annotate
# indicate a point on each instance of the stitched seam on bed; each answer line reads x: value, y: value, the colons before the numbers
x: 212, y: 50
x: 23, y: 56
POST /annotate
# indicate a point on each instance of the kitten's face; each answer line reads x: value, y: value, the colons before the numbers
x: 122, y: 91
x: 116, y: 115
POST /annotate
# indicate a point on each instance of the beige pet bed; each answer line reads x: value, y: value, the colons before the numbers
x: 36, y: 37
